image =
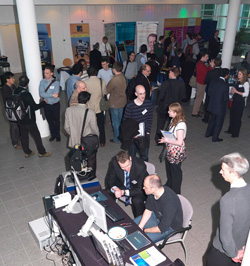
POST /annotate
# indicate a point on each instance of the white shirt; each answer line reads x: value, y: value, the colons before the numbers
x: 103, y: 48
x: 180, y: 126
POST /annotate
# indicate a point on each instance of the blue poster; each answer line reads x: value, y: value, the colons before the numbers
x: 125, y: 31
x: 44, y: 36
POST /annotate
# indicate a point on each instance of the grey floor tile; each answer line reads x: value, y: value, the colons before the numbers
x: 13, y: 205
x: 19, y: 214
x: 19, y: 258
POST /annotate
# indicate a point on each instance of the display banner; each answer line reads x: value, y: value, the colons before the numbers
x: 44, y: 36
x: 125, y: 32
x: 109, y: 30
x: 180, y: 26
x: 146, y: 32
x: 80, y: 40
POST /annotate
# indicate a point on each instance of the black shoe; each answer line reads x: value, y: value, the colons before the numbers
x: 234, y: 136
x: 205, y: 121
x: 51, y: 138
x: 58, y: 139
x: 217, y: 140
x: 198, y: 115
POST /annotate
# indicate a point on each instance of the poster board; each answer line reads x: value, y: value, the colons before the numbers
x: 80, y: 40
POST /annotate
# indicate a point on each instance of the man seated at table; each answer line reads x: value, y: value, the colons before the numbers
x: 163, y: 211
x: 125, y: 177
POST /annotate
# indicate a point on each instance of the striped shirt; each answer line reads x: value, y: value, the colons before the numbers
x: 140, y: 113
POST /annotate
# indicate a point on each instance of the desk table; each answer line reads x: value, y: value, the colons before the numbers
x: 83, y: 247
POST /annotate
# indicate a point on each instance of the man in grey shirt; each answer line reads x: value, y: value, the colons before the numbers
x: 130, y: 67
x: 231, y: 236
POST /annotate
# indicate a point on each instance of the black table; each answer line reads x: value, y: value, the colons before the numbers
x: 83, y: 247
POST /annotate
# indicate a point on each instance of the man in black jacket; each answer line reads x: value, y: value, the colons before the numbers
x: 219, y: 95
x: 125, y: 177
x: 7, y: 91
x: 142, y: 79
x: 28, y: 123
x: 211, y: 75
x: 172, y: 90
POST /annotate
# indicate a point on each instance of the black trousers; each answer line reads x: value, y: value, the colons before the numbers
x: 207, y: 114
x: 214, y: 126
x: 101, y: 125
x: 31, y: 128
x: 52, y: 114
x: 174, y: 176
x: 161, y: 121
x: 216, y: 258
x: 91, y: 162
x: 236, y: 113
x: 14, y: 133
x: 138, y: 200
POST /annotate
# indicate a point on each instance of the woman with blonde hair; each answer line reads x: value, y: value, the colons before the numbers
x: 175, y: 147
x: 240, y: 92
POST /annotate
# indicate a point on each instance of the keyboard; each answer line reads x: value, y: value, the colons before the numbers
x: 111, y: 212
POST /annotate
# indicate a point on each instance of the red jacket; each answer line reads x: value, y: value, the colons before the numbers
x: 201, y: 72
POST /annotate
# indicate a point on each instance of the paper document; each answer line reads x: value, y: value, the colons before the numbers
x: 167, y: 134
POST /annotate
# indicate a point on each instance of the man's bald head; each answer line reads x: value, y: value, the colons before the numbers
x: 81, y: 86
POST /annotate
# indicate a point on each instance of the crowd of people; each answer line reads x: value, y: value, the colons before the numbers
x: 129, y: 88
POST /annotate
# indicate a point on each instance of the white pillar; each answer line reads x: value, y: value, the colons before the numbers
x: 230, y: 32
x: 31, y: 53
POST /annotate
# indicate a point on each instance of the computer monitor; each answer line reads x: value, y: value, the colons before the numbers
x: 84, y: 202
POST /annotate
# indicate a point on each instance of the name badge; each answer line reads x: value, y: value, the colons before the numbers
x: 52, y: 87
x: 144, y: 111
x: 134, y: 182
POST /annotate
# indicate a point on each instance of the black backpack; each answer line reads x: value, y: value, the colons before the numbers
x: 15, y: 108
x: 130, y: 91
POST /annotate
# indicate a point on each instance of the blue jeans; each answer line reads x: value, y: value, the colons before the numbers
x: 153, y: 221
x: 116, y: 117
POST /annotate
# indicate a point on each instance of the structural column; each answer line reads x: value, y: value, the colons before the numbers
x: 230, y: 32
x: 31, y: 53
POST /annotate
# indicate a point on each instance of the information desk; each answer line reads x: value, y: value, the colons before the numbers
x: 70, y: 224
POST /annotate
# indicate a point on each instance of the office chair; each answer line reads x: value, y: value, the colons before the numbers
x: 150, y: 169
x: 179, y: 235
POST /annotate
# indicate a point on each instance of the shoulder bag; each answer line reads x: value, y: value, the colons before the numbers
x: 91, y: 141
x: 104, y: 102
x: 174, y: 153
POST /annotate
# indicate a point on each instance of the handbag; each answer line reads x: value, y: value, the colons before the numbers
x: 104, y: 102
x: 193, y: 82
x: 91, y: 141
x: 175, y: 153
x: 230, y: 103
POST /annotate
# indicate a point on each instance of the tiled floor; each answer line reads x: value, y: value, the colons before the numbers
x: 23, y: 183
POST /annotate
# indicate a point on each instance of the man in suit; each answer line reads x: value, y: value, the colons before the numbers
x: 95, y: 57
x: 211, y: 75
x: 214, y: 45
x: 125, y: 177
x: 74, y: 116
x: 142, y: 79
x: 219, y: 95
x: 172, y: 90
